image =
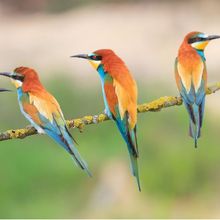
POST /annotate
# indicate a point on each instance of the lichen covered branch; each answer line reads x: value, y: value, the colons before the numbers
x: 80, y: 123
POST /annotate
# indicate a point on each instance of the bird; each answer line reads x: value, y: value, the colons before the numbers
x: 43, y: 111
x: 191, y: 78
x: 120, y: 98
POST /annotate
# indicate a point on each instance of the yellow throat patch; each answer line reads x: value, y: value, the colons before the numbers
x: 200, y: 45
x: 16, y: 83
x: 95, y: 63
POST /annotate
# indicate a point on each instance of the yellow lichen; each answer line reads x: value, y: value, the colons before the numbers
x: 102, y: 117
x: 79, y: 123
x: 88, y: 119
x: 208, y: 91
x: 19, y: 133
x: 69, y: 123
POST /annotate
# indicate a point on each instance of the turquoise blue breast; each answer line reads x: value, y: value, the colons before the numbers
x: 201, y: 54
x: 102, y: 75
x: 20, y: 93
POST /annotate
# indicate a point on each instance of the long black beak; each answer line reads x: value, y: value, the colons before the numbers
x: 5, y: 74
x: 212, y: 37
x: 4, y: 90
x: 84, y: 56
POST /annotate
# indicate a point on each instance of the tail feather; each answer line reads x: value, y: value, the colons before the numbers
x: 134, y: 154
x: 65, y: 140
x: 130, y: 138
x: 81, y: 163
x: 195, y: 122
x: 75, y: 153
x: 134, y: 168
x: 194, y: 101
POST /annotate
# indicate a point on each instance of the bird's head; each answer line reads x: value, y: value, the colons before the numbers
x: 97, y: 57
x: 199, y: 40
x: 21, y: 75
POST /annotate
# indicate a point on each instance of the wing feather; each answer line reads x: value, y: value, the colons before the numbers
x: 47, y: 105
x: 127, y: 100
x: 190, y: 74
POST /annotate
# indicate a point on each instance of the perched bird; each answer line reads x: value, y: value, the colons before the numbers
x: 120, y: 97
x: 191, y: 78
x: 43, y: 110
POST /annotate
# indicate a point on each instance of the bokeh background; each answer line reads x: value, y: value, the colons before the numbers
x: 39, y: 180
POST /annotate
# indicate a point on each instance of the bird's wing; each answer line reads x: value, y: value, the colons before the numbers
x: 46, y: 105
x: 45, y: 111
x: 127, y: 100
x: 192, y: 86
x: 123, y: 107
x: 41, y: 106
x: 125, y: 89
x: 191, y: 81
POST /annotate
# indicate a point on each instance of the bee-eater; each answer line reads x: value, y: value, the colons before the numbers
x: 43, y: 111
x: 120, y: 97
x: 191, y: 78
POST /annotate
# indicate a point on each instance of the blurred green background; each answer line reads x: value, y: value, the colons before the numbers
x: 38, y: 179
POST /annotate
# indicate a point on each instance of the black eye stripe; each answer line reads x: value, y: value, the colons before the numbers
x: 96, y: 57
x: 18, y: 77
x: 196, y: 39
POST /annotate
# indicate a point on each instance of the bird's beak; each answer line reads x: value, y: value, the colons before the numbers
x: 4, y: 90
x: 84, y: 56
x: 6, y: 74
x: 212, y: 37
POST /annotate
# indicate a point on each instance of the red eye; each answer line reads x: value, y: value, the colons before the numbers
x: 95, y: 57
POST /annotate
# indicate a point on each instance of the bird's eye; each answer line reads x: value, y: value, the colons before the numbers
x: 195, y: 39
x: 18, y: 77
x: 198, y: 39
x: 96, y: 57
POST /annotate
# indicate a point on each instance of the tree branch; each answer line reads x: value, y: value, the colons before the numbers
x: 80, y: 123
